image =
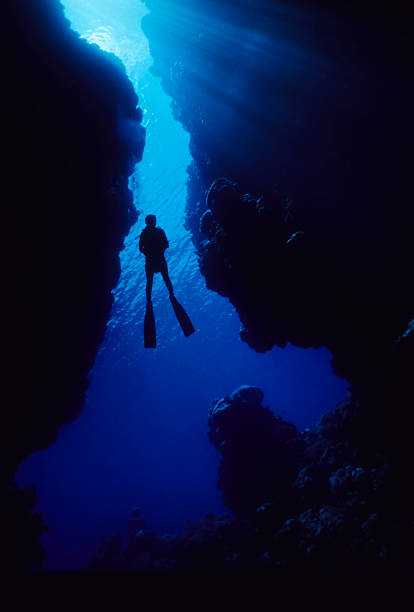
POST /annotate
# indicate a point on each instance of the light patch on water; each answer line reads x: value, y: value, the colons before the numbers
x: 113, y: 25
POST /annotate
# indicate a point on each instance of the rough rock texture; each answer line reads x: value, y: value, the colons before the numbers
x: 260, y: 452
x: 71, y: 136
x: 306, y: 111
x: 325, y: 500
x: 288, y: 287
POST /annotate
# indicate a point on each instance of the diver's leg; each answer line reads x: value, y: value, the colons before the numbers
x: 150, y: 278
x: 167, y: 281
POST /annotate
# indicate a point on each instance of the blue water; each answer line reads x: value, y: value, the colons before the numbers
x: 141, y: 438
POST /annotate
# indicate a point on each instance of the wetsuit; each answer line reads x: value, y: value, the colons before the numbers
x: 153, y: 243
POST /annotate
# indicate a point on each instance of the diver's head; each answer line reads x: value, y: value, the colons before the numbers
x: 151, y: 221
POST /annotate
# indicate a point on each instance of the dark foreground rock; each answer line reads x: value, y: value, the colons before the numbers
x: 71, y: 137
x: 325, y: 500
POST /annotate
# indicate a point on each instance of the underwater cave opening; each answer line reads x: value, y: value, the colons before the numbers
x: 141, y: 439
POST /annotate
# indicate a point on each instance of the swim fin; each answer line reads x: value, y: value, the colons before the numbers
x: 150, y: 339
x: 182, y: 316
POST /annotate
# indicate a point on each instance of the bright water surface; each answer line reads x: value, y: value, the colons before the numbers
x: 141, y: 438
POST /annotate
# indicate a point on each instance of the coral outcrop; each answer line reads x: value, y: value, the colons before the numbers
x: 260, y: 452
x: 287, y: 286
x: 71, y: 137
x: 324, y: 500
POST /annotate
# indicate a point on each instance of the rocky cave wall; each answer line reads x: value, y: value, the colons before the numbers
x: 72, y: 136
x: 305, y: 110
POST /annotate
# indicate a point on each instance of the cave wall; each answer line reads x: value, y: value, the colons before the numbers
x: 71, y: 137
x: 306, y: 109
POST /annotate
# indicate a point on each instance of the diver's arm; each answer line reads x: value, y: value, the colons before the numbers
x: 141, y: 244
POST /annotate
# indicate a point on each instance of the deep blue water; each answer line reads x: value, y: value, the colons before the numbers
x: 141, y: 439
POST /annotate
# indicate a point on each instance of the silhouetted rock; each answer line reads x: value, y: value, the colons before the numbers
x: 305, y: 131
x: 331, y: 502
x: 72, y: 136
x: 22, y: 529
x: 260, y: 453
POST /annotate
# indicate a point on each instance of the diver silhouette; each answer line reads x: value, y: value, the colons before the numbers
x: 153, y: 243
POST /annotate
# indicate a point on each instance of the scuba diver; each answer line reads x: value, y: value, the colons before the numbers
x: 153, y: 242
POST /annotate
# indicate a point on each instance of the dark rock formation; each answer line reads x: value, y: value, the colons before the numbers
x: 308, y: 110
x: 288, y: 287
x: 71, y: 136
x: 328, y: 500
x: 260, y: 452
x: 22, y: 529
x: 216, y: 544
x: 304, y: 100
